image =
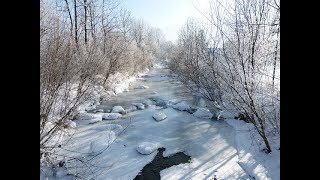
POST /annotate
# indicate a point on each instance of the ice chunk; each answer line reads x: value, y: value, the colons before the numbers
x: 159, y: 116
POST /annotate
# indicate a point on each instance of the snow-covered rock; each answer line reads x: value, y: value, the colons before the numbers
x: 147, y: 102
x: 140, y: 106
x: 141, y: 87
x: 131, y: 109
x: 90, y: 121
x: 111, y: 116
x: 147, y: 147
x: 203, y: 113
x: 118, y: 109
x: 182, y: 106
x: 89, y: 118
x: 160, y: 102
x: 159, y: 116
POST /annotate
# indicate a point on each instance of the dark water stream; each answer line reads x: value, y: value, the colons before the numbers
x: 152, y: 170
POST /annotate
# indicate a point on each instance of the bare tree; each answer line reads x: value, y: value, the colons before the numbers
x: 234, y: 62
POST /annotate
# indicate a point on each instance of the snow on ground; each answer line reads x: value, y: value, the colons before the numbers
x: 110, y: 127
x: 159, y: 116
x: 119, y: 82
x: 203, y: 113
x: 147, y: 147
x: 249, y: 145
x: 97, y: 147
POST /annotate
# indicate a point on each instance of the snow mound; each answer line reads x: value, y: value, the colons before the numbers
x: 119, y: 88
x: 118, y: 83
x: 203, y: 113
x: 71, y: 124
x: 147, y: 147
x: 140, y: 106
x: 118, y: 109
x: 159, y: 116
x: 111, y: 116
x: 141, y: 87
x: 47, y: 127
x: 182, y: 106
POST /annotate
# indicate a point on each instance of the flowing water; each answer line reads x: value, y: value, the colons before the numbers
x: 162, y: 85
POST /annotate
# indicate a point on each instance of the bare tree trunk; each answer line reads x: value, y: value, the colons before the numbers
x: 275, y: 60
x: 69, y: 13
x: 92, y: 26
x: 75, y: 22
x: 85, y: 22
x: 104, y: 31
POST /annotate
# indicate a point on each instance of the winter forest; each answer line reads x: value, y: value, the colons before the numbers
x: 121, y: 99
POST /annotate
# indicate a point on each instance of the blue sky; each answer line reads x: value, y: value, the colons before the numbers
x: 168, y: 15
